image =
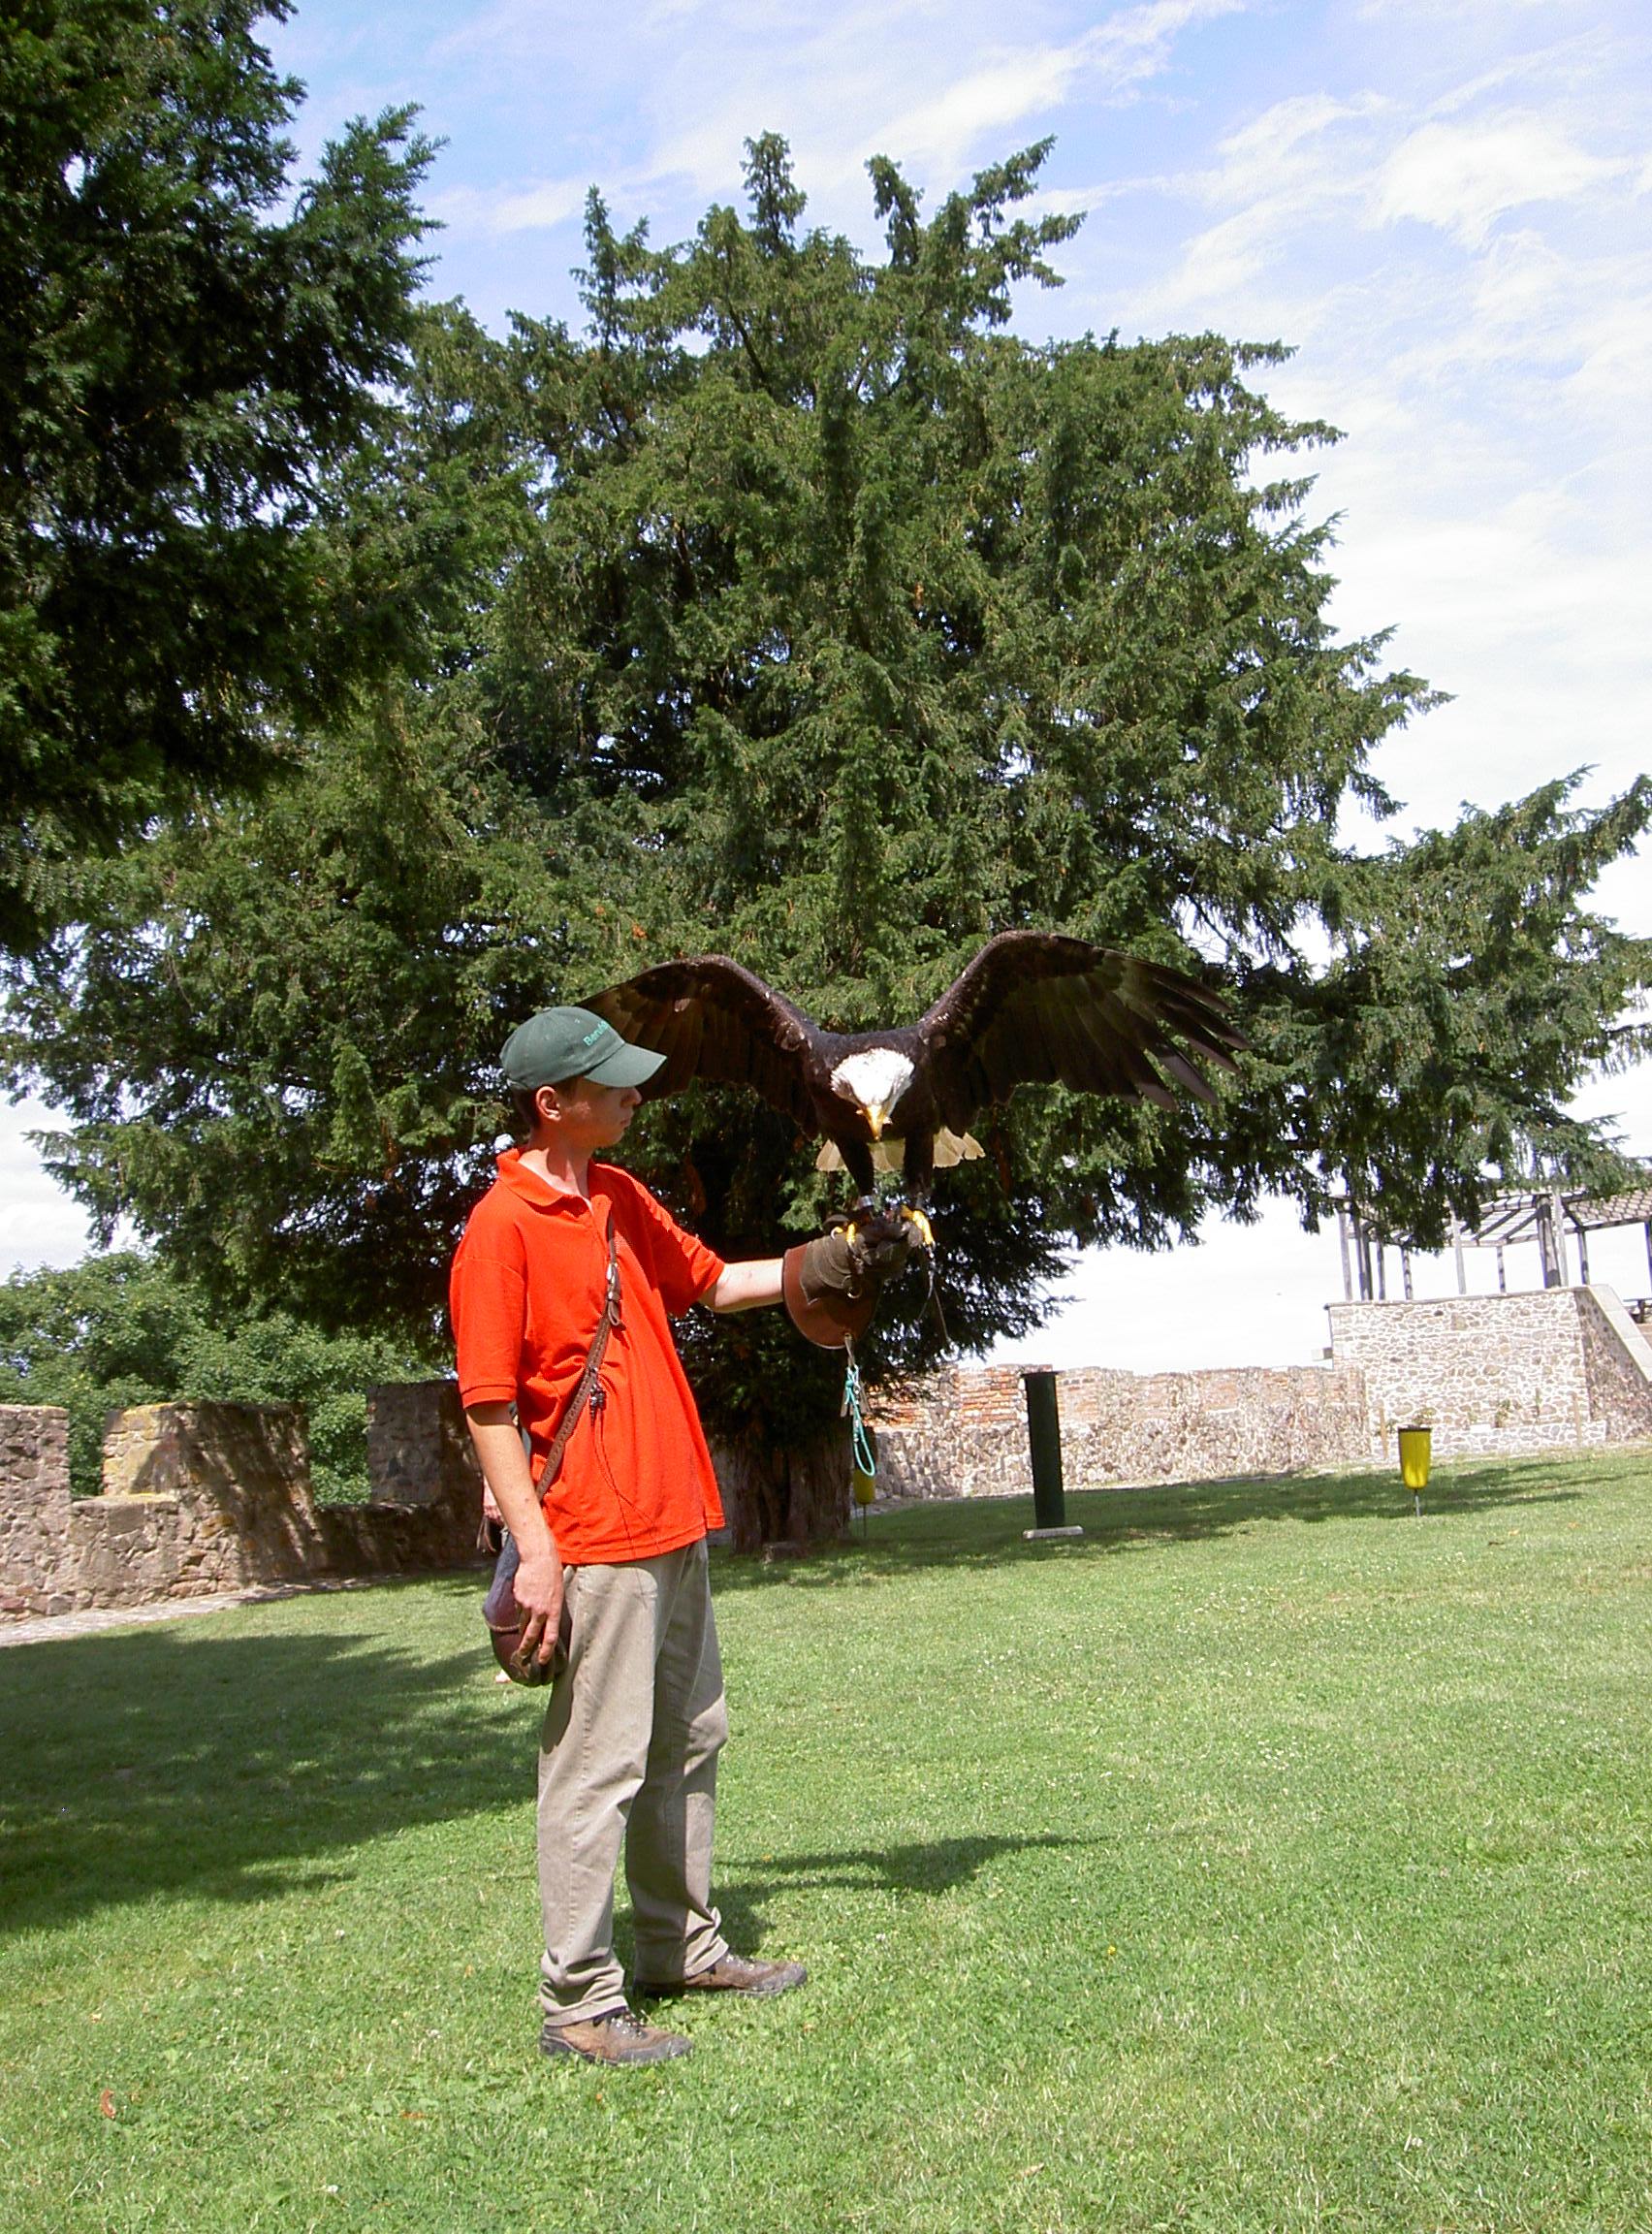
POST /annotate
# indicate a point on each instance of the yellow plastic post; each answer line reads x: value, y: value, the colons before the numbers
x: 1415, y: 1449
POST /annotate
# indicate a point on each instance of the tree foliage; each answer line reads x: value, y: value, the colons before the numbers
x: 797, y: 609
x: 124, y: 1330
x: 189, y: 348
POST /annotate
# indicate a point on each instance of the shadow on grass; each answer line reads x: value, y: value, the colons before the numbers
x: 232, y: 1763
x: 932, y: 1867
x: 982, y: 1532
x: 936, y: 1865
x: 176, y: 1759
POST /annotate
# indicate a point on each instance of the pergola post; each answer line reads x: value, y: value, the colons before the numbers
x: 1548, y: 1252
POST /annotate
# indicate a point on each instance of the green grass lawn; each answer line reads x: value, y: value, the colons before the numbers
x: 1270, y: 1860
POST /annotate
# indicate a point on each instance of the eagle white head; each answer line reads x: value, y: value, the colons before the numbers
x: 873, y: 1080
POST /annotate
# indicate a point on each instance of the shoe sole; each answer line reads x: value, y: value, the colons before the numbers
x: 550, y: 2045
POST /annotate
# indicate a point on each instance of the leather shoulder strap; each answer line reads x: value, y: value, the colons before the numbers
x: 588, y: 1390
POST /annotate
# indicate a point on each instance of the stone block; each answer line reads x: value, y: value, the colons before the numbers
x: 418, y: 1450
x: 34, y: 1504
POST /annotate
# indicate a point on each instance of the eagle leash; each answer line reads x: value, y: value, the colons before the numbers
x: 860, y: 1445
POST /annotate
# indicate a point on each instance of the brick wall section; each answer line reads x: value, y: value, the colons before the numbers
x: 1495, y: 1374
x: 203, y: 1498
x: 963, y: 1434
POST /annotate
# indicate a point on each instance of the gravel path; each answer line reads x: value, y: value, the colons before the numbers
x: 46, y: 1629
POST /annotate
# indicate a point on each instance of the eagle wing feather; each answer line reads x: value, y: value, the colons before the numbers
x: 1035, y: 1007
x: 714, y: 1021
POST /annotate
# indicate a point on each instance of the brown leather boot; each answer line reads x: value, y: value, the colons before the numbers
x: 734, y: 1974
x: 617, y: 2037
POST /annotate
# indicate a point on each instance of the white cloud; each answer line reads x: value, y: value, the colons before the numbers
x: 1283, y: 139
x: 1462, y: 177
x: 1004, y: 92
x: 39, y: 1224
x: 1016, y: 84
x: 527, y: 208
x: 923, y: 82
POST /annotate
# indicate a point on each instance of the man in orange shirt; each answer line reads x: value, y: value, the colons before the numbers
x: 612, y: 1562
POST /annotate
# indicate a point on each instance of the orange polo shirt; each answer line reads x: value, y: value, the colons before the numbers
x: 527, y: 1294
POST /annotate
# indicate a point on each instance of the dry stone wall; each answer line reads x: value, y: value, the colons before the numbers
x: 204, y: 1498
x: 1489, y: 1374
x: 417, y: 1443
x: 34, y: 1508
x: 1500, y: 1373
x: 1617, y: 1366
x: 964, y: 1433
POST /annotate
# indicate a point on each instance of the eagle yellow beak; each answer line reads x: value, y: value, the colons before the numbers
x: 876, y: 1117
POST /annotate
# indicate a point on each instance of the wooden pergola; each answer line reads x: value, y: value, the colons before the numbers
x: 1510, y: 1219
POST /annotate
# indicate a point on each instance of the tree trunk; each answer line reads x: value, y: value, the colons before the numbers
x: 776, y: 1494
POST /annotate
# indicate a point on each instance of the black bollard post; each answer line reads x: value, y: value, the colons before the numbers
x: 1044, y: 1441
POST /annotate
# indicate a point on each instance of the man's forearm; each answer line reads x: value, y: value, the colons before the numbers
x: 505, y: 1469
x: 538, y: 1579
x: 743, y: 1287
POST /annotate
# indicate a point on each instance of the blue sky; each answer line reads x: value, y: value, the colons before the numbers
x: 1445, y: 209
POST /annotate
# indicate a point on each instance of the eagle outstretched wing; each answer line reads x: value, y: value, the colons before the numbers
x: 714, y: 1021
x: 1035, y: 1007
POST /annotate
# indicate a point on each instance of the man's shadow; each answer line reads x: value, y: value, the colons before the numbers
x: 919, y: 1870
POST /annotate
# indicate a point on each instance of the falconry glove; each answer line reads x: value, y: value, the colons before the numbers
x: 833, y: 1283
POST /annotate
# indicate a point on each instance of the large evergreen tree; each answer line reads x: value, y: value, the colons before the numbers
x: 796, y: 610
x: 184, y: 359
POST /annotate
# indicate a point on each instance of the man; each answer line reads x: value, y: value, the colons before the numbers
x: 612, y: 1561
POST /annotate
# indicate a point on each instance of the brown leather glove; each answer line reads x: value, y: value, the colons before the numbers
x: 833, y: 1283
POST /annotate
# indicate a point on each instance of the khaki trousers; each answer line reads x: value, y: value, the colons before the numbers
x: 630, y: 1755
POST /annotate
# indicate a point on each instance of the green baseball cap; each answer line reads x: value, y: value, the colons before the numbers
x: 562, y: 1044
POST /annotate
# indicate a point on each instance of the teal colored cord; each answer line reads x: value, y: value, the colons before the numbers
x: 859, y: 1436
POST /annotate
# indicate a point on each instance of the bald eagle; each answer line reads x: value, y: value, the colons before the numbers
x: 1031, y: 1008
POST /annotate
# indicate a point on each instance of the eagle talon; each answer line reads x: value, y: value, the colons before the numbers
x: 919, y: 1219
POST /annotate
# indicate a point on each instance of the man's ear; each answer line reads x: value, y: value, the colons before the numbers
x: 546, y: 1103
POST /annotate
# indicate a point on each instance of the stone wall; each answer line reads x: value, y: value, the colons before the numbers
x: 206, y: 1498
x: 1490, y: 1374
x: 1500, y: 1373
x: 417, y: 1443
x: 34, y: 1507
x: 1617, y: 1366
x: 965, y: 1432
